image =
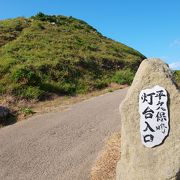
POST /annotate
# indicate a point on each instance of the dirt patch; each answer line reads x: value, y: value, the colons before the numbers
x: 105, y: 165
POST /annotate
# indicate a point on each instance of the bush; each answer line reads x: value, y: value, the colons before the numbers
x: 125, y: 76
x: 26, y: 76
x: 40, y: 16
x: 38, y: 25
x: 28, y: 92
x: 2, y: 89
x: 100, y: 84
x: 176, y: 75
x: 67, y: 88
x: 32, y: 93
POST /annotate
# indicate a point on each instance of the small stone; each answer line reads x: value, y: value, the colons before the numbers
x: 4, y: 113
x: 139, y: 162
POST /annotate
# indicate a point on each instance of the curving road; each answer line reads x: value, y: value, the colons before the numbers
x: 59, y: 145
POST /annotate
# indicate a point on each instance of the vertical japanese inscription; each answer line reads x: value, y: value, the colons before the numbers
x: 154, y: 119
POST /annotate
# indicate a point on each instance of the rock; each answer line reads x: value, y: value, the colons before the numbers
x: 4, y: 113
x: 139, y: 162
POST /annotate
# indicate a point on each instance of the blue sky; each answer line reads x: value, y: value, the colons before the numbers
x: 150, y: 26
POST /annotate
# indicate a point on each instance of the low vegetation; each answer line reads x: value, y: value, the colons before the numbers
x: 124, y: 76
x: 177, y: 77
x: 45, y: 55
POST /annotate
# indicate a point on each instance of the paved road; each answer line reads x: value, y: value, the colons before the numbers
x: 59, y: 145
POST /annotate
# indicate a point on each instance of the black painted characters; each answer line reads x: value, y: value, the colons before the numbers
x: 154, y: 121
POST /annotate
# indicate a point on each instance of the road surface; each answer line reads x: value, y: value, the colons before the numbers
x: 59, y: 145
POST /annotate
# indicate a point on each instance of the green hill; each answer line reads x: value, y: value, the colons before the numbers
x: 45, y: 54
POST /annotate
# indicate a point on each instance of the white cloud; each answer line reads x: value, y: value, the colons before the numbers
x: 175, y: 43
x: 175, y: 65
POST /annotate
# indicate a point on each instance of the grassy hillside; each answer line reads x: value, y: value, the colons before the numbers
x: 45, y: 54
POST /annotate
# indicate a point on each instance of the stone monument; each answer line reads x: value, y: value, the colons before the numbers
x: 150, y: 134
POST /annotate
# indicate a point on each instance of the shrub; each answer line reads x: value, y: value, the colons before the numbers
x: 40, y: 16
x: 37, y: 25
x: 33, y: 93
x: 2, y: 89
x: 123, y: 77
x: 28, y: 92
x: 67, y: 88
x: 25, y: 76
x: 176, y: 75
x: 100, y: 84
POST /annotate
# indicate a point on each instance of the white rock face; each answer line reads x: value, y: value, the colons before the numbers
x: 154, y: 119
x: 138, y: 161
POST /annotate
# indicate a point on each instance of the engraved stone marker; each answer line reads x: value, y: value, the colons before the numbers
x: 154, y: 121
x: 152, y: 100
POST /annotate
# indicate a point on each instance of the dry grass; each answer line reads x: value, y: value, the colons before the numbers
x: 105, y: 165
x: 16, y: 106
x: 21, y: 108
x: 59, y: 103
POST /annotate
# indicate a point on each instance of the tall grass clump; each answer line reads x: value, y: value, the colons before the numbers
x: 124, y: 76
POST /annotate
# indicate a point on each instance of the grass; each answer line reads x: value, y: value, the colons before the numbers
x: 60, y: 103
x: 23, y: 109
x: 176, y: 75
x: 45, y: 55
x: 27, y: 111
x: 124, y: 76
